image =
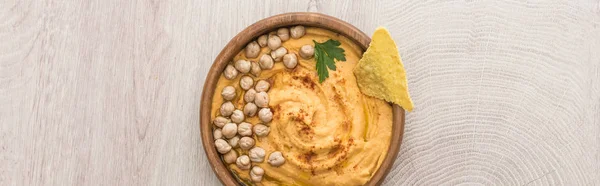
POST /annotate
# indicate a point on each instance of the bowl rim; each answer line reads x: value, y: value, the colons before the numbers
x: 252, y: 32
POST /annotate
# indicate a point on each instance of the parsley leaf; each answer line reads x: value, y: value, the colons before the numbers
x: 325, y: 53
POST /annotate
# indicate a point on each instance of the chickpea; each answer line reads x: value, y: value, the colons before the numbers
x: 262, y: 86
x: 234, y: 141
x: 222, y: 146
x: 230, y: 72
x: 274, y: 42
x: 249, y: 96
x: 246, y: 143
x: 250, y: 109
x: 229, y: 130
x: 307, y: 51
x: 297, y: 31
x: 220, y: 121
x: 265, y: 115
x: 290, y: 60
x: 252, y: 49
x: 246, y: 82
x: 237, y: 116
x: 261, y: 100
x: 245, y: 129
x: 256, y: 174
x: 283, y: 34
x: 230, y: 157
x: 261, y: 130
x: 243, y: 162
x: 279, y: 53
x: 265, y: 62
x: 276, y: 159
x: 242, y: 66
x: 255, y: 69
x: 228, y: 93
x: 227, y: 108
x: 257, y: 154
x: 217, y: 134
x: 262, y: 41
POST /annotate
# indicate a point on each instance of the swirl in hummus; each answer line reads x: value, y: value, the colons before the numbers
x: 329, y: 133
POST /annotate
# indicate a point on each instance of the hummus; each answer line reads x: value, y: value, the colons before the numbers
x: 329, y: 133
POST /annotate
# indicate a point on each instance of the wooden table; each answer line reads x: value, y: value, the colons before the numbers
x: 107, y: 92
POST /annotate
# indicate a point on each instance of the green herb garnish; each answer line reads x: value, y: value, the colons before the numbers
x: 325, y: 53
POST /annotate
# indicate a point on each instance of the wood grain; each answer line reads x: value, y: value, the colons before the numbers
x: 107, y: 92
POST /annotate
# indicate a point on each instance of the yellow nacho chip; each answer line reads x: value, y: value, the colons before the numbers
x: 380, y: 72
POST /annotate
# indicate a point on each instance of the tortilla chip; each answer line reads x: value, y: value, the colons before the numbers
x: 380, y: 72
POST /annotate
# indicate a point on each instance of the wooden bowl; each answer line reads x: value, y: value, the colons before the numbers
x: 254, y: 31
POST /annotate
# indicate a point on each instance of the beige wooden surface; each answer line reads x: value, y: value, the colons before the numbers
x: 106, y: 92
